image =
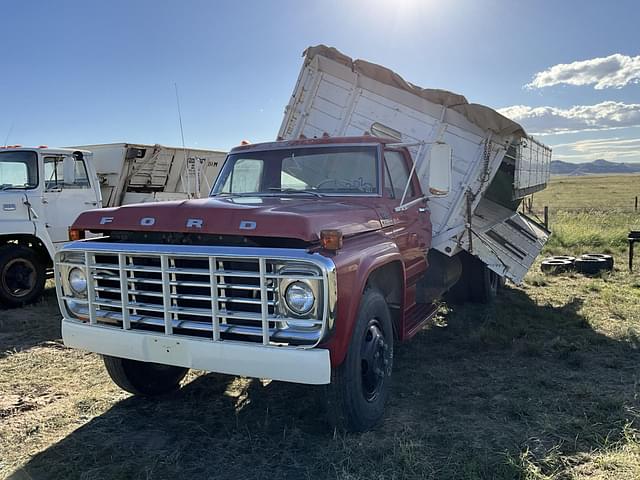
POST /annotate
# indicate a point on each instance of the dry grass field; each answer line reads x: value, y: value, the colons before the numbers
x: 544, y: 384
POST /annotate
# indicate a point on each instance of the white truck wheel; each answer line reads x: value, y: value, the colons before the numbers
x: 22, y: 275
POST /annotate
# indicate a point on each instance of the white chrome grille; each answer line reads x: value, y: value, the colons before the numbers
x: 223, y: 293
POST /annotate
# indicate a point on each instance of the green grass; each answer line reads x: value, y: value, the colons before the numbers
x: 580, y: 232
x: 609, y: 192
x: 590, y: 213
x: 544, y: 384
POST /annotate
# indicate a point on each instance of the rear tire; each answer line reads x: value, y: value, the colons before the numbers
x: 359, y: 387
x: 484, y: 286
x: 144, y: 378
x: 477, y: 284
x: 22, y: 275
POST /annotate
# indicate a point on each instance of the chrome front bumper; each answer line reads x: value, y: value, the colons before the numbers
x: 310, y: 366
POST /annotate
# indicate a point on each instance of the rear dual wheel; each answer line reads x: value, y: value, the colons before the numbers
x: 477, y: 284
x: 485, y: 285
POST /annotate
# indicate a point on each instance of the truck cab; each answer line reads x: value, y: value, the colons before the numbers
x: 317, y: 253
x: 42, y: 191
x: 303, y: 265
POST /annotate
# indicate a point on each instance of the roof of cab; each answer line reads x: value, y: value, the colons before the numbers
x: 310, y: 142
x: 42, y: 148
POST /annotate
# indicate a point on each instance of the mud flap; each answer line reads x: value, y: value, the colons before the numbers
x: 506, y: 241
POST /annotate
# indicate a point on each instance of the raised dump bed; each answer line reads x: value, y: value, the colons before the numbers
x: 495, y: 162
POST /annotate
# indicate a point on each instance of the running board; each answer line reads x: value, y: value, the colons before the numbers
x: 507, y: 242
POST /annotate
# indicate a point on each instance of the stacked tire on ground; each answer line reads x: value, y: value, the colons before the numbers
x: 557, y: 264
x: 587, y: 264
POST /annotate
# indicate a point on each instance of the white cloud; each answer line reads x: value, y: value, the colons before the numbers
x: 548, y: 120
x: 603, y: 72
x: 612, y: 149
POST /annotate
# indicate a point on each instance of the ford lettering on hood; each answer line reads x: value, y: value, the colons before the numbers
x: 264, y: 216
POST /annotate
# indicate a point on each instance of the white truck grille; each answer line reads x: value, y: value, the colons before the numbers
x: 222, y: 293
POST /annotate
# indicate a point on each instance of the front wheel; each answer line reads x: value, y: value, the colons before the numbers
x: 360, y: 386
x: 144, y: 378
x: 22, y: 275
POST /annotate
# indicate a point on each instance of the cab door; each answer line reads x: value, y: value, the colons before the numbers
x: 67, y: 193
x: 411, y: 226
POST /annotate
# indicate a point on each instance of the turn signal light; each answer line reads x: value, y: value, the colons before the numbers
x: 331, y: 239
x: 76, y: 234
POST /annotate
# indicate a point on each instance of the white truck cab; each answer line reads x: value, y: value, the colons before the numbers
x: 42, y: 191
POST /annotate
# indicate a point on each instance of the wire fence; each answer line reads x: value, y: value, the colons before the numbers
x: 633, y: 205
x: 542, y: 212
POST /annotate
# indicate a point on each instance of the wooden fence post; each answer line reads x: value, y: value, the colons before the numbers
x: 636, y: 209
x: 546, y: 217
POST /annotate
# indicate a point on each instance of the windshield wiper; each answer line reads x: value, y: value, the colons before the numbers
x: 8, y: 186
x: 230, y: 194
x: 266, y: 194
x: 293, y: 190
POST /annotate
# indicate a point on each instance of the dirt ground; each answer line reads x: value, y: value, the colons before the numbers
x: 543, y: 384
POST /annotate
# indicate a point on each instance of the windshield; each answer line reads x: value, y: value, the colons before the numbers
x: 18, y: 170
x: 306, y: 170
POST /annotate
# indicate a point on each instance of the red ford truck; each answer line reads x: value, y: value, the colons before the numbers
x: 315, y: 254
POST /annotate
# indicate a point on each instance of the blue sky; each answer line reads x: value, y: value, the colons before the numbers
x: 80, y: 72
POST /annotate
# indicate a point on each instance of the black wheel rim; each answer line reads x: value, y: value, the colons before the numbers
x: 19, y: 277
x: 375, y: 360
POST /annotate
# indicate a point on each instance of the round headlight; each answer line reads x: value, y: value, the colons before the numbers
x: 78, y: 281
x: 300, y: 298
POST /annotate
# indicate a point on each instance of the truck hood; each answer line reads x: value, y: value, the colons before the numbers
x: 288, y: 217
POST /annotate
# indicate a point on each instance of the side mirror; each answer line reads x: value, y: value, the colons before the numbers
x: 68, y: 170
x: 440, y: 165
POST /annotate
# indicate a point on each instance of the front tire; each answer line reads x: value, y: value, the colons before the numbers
x: 22, y: 275
x: 359, y: 387
x: 144, y: 378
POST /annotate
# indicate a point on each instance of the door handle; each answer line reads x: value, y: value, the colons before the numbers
x: 91, y: 203
x: 423, y: 209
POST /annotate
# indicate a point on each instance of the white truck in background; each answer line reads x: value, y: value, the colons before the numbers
x: 43, y: 190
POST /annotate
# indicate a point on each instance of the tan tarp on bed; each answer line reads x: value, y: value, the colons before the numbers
x: 481, y: 115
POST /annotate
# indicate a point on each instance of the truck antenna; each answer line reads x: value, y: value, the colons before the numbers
x: 179, y: 115
x: 184, y: 150
x: 6, y: 139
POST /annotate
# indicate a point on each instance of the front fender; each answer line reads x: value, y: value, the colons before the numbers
x: 354, y: 263
x: 12, y: 228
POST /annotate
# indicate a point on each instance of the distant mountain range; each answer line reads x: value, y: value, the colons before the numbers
x: 597, y: 167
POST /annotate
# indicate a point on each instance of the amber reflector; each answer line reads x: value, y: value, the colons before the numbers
x: 76, y: 234
x: 331, y: 239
